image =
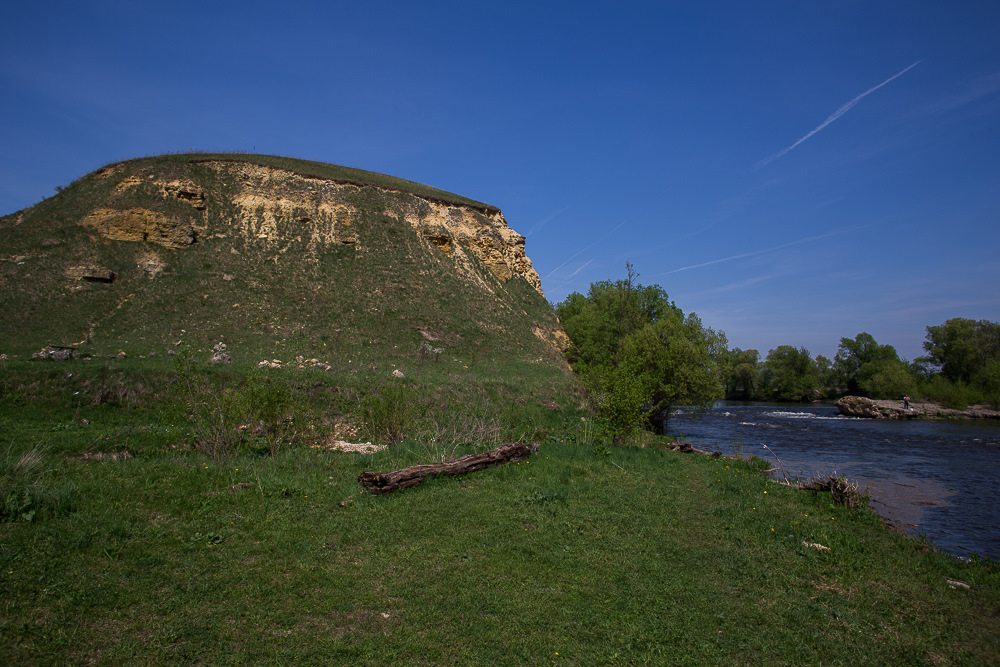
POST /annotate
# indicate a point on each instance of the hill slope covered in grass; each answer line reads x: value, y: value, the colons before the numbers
x: 274, y: 256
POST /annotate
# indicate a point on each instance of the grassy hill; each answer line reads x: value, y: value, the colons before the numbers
x: 274, y: 256
x: 158, y: 508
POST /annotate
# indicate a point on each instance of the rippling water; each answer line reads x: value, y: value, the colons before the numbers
x: 939, y: 478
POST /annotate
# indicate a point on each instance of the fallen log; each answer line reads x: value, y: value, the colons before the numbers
x: 378, y: 483
x: 691, y: 449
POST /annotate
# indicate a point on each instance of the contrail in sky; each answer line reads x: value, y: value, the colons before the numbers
x: 584, y: 250
x: 582, y: 267
x: 537, y: 227
x: 755, y: 252
x: 835, y: 115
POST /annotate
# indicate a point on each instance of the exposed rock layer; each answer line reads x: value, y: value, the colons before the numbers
x: 275, y: 207
x: 859, y: 406
x: 140, y: 224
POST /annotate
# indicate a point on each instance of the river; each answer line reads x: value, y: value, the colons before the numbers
x: 937, y: 478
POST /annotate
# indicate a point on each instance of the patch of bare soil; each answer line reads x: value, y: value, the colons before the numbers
x: 239, y: 486
x: 106, y: 456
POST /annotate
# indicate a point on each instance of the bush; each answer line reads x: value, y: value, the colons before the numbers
x: 621, y: 400
x: 227, y: 421
x: 115, y: 388
x: 988, y: 382
x: 952, y: 395
x: 390, y: 413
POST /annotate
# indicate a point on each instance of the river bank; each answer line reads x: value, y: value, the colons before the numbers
x: 859, y: 406
x: 935, y: 477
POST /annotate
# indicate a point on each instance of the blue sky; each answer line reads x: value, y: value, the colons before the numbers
x: 793, y: 172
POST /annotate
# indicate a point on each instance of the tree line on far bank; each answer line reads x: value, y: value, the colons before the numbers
x: 961, y: 368
x: 639, y: 355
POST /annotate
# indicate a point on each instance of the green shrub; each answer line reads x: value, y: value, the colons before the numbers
x: 390, y: 414
x: 952, y: 395
x: 621, y: 399
x: 988, y: 381
x: 428, y: 351
x: 255, y: 413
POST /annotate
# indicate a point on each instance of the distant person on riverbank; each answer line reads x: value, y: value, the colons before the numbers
x: 906, y: 402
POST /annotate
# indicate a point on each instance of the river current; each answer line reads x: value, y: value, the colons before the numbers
x: 936, y: 478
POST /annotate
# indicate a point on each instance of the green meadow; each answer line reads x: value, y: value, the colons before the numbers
x: 144, y: 521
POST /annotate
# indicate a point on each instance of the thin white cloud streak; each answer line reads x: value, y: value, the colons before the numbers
x: 975, y: 92
x: 537, y: 227
x: 741, y: 284
x: 754, y: 253
x: 582, y: 267
x: 568, y: 279
x: 575, y: 255
x: 835, y: 115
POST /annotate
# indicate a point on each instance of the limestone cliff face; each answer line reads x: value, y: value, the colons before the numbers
x: 486, y: 234
x: 153, y: 226
x: 141, y: 224
x: 277, y: 207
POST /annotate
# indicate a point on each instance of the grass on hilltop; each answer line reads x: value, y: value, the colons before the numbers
x: 167, y: 163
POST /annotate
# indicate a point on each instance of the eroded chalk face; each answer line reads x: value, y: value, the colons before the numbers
x: 275, y: 207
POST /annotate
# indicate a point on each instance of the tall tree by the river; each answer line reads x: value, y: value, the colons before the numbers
x: 638, y: 354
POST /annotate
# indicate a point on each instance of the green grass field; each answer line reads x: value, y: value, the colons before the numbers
x: 265, y: 553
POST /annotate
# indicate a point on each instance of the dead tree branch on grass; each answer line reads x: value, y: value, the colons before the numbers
x: 691, y: 449
x: 385, y: 482
x: 844, y: 492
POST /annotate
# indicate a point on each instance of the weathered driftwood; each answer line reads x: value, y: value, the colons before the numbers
x: 844, y: 492
x: 385, y: 482
x: 691, y: 449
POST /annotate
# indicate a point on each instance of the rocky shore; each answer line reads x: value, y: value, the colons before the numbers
x: 859, y: 406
